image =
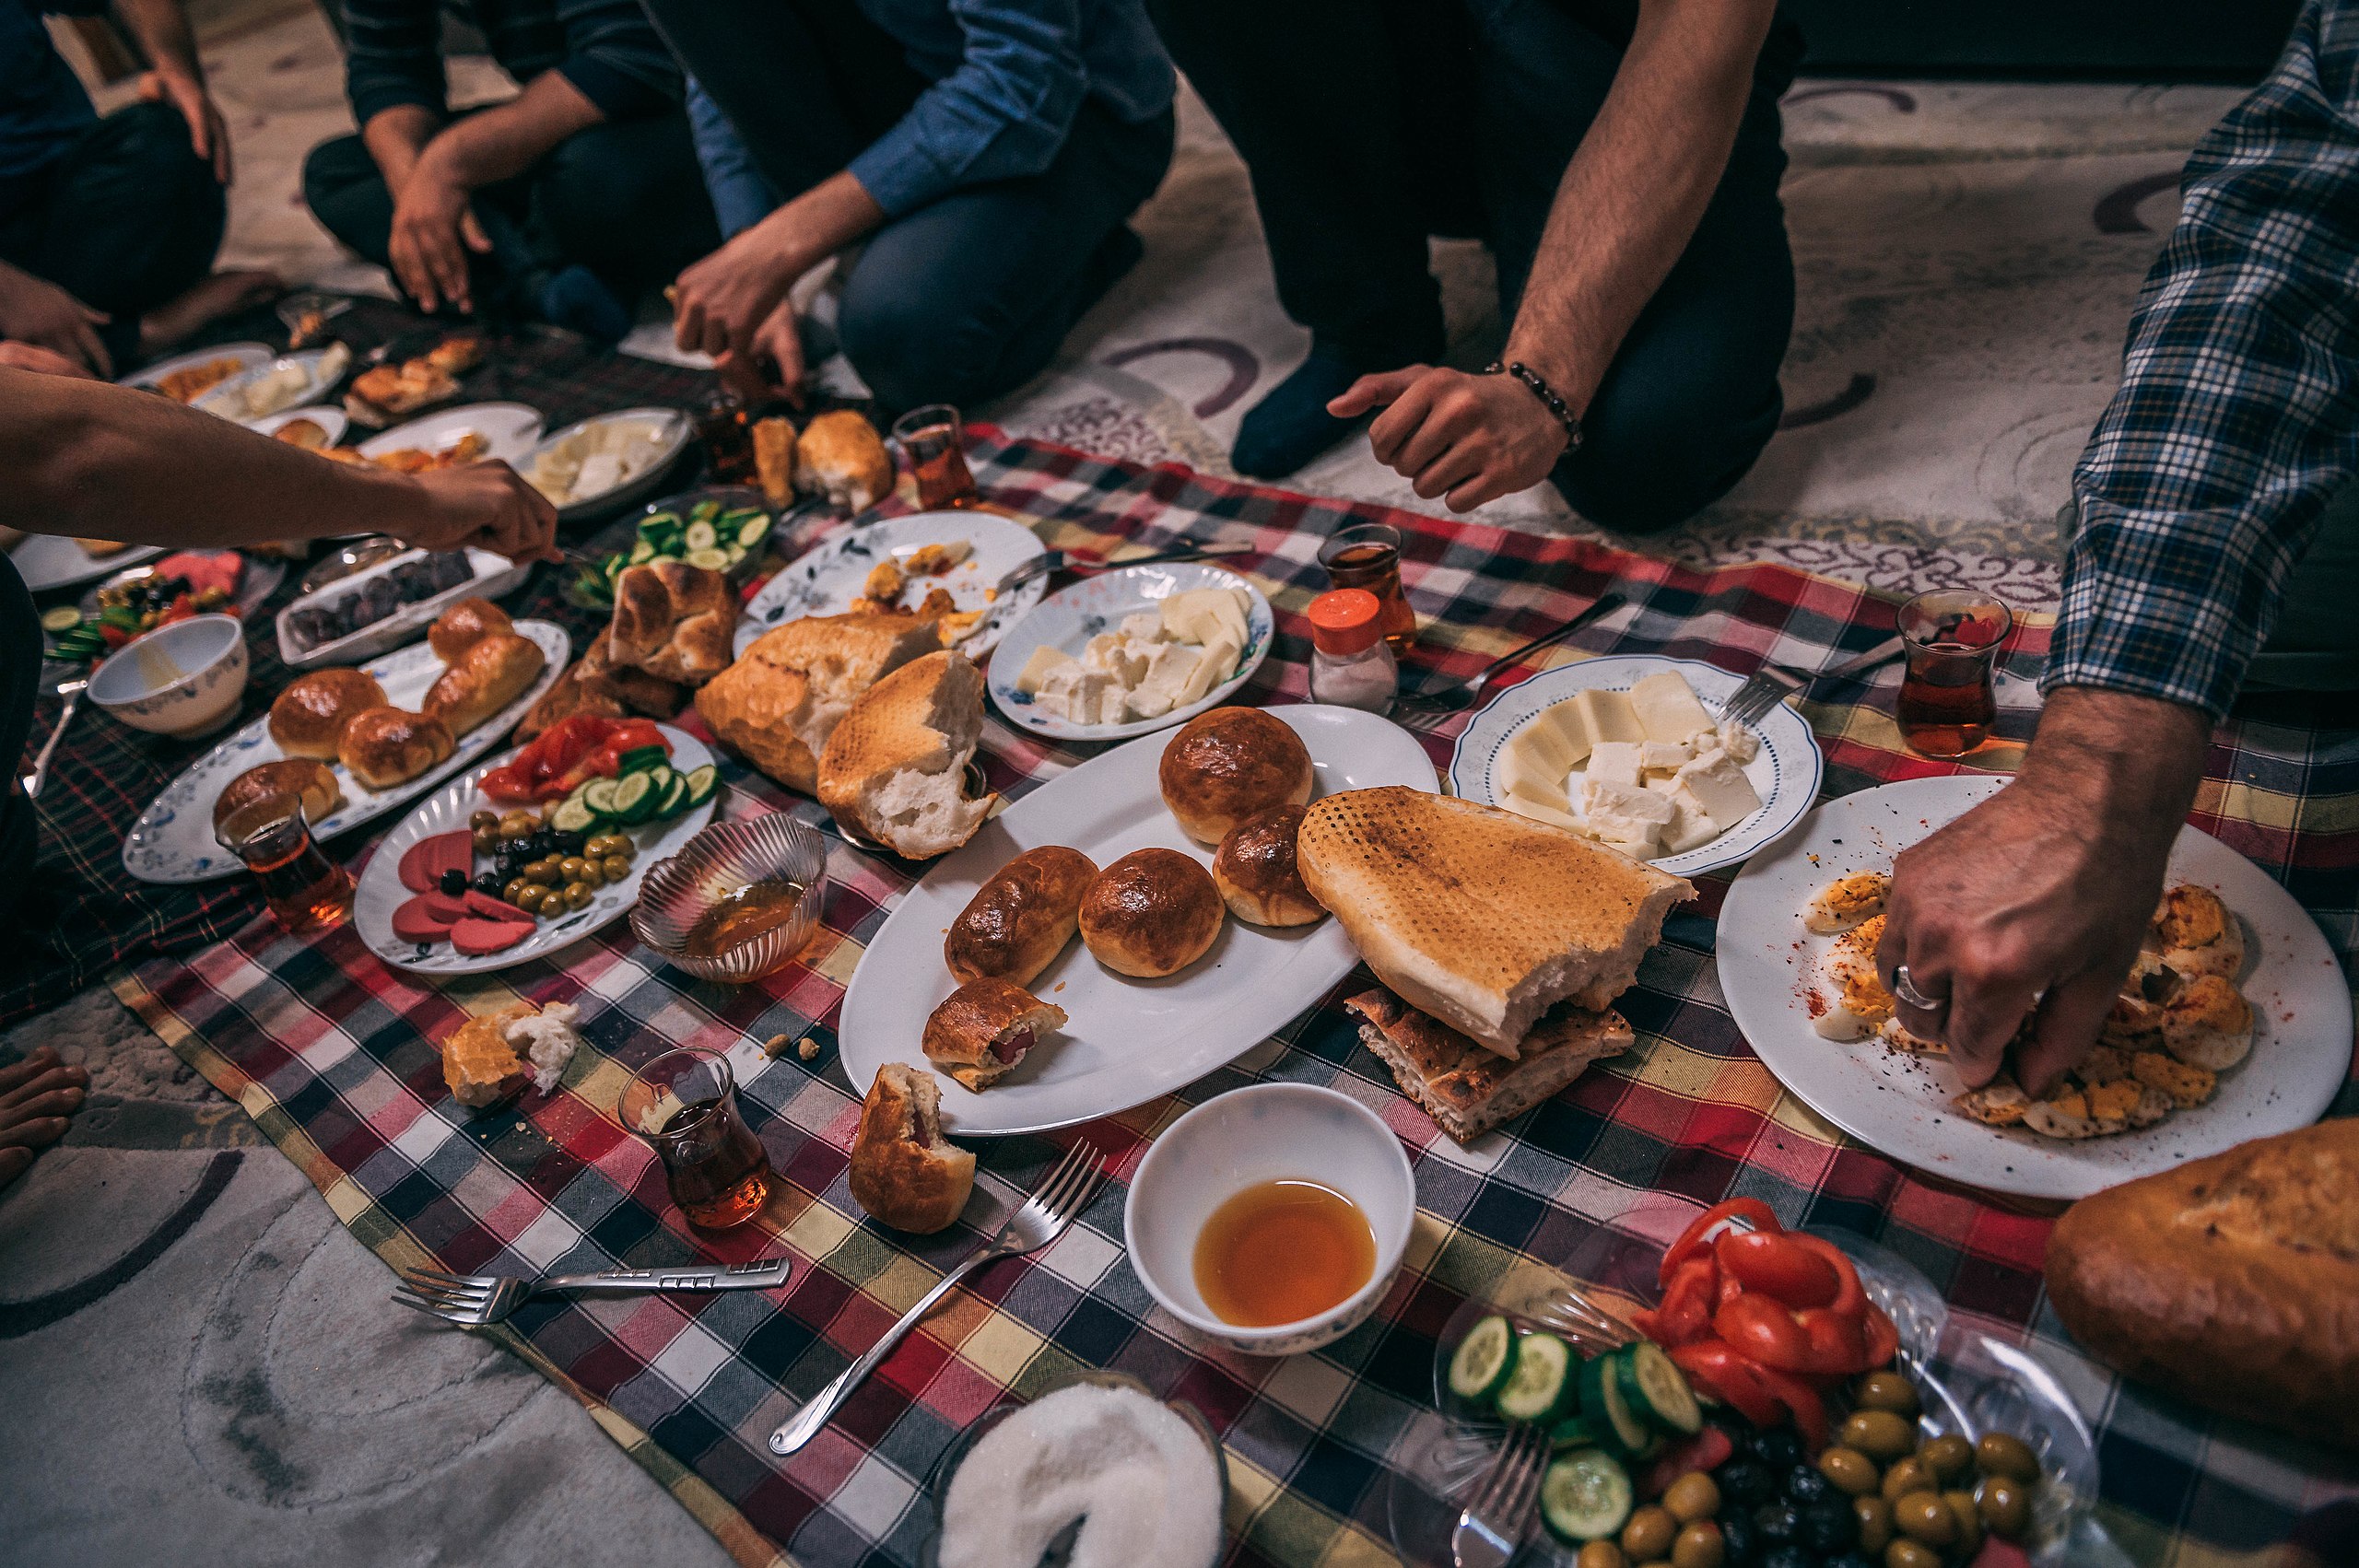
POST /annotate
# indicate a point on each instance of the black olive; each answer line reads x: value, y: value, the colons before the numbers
x: 507, y: 864
x: 1780, y: 1449
x: 490, y: 883
x: 1828, y: 1525
x: 455, y: 881
x: 1739, y: 1539
x: 569, y: 843
x: 1778, y: 1522
x: 1846, y: 1560
x: 1804, y: 1484
x: 1743, y: 1481
x: 1788, y: 1557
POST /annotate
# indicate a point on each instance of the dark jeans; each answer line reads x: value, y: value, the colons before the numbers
x: 126, y: 220
x: 1358, y: 156
x: 625, y: 199
x: 970, y: 296
x: 20, y: 682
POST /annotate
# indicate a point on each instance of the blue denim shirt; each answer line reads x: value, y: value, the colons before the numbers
x: 1008, y: 77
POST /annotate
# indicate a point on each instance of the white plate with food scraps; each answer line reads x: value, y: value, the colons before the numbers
x: 1785, y: 772
x: 1898, y: 1103
x: 831, y: 574
x: 1126, y: 1040
x: 329, y: 421
x: 257, y: 580
x: 566, y: 467
x: 1067, y: 619
x: 52, y: 560
x: 507, y: 430
x: 243, y: 356
x: 172, y: 841
x: 288, y: 382
x: 381, y: 891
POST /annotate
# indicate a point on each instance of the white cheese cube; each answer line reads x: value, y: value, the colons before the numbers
x: 1078, y: 692
x: 1538, y: 810
x: 1036, y: 668
x: 1602, y: 798
x: 1622, y: 831
x: 1664, y: 756
x: 1666, y: 707
x: 1147, y: 626
x: 1614, y: 762
x: 1739, y: 742
x: 1118, y: 657
x: 1719, y: 789
x: 1689, y: 828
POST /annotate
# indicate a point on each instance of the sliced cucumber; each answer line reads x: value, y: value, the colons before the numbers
x: 64, y: 617
x: 572, y: 816
x: 754, y: 530
x: 599, y: 796
x: 702, y: 781
x: 1573, y: 1432
x: 1539, y: 1389
x: 736, y: 553
x: 1619, y: 1428
x: 675, y: 797
x: 704, y: 512
x: 1650, y: 1382
x: 642, y: 553
x: 655, y: 525
x: 1584, y: 1497
x: 709, y: 560
x: 614, y: 565
x: 634, y: 796
x: 659, y: 778
x: 641, y: 758
x: 1484, y: 1360
x: 700, y: 536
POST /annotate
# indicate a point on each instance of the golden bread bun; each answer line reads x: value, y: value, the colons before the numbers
x: 1256, y: 875
x: 1151, y: 913
x: 464, y: 625
x: 982, y: 1029
x: 903, y: 1170
x: 1230, y: 764
x: 840, y: 456
x: 309, y: 716
x: 489, y: 674
x: 386, y: 746
x: 1021, y: 918
x: 307, y: 778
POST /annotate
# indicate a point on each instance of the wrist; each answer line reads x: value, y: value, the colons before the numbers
x: 1567, y: 380
x: 2132, y: 763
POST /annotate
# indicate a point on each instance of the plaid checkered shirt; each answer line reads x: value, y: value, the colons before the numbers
x: 2238, y: 412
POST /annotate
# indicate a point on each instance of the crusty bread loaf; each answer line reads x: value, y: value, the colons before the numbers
x: 1021, y: 918
x: 840, y: 456
x: 1479, y: 917
x: 779, y: 703
x: 672, y: 620
x: 307, y: 779
x: 464, y: 625
x: 895, y: 770
x: 2231, y: 1281
x: 386, y: 746
x: 1468, y: 1089
x: 985, y: 1028
x: 1152, y: 913
x: 489, y: 673
x: 903, y: 1170
x: 1232, y: 763
x: 309, y: 716
x: 1255, y: 871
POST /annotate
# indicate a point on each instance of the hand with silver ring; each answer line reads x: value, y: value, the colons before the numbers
x: 1903, y: 985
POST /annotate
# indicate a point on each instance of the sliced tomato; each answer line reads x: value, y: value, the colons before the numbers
x: 1716, y: 1368
x: 1697, y: 1237
x: 1779, y: 1265
x: 1801, y: 1402
x: 1760, y: 1328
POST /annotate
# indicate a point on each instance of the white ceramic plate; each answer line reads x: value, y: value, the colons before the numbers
x: 495, y: 577
x: 1127, y: 1040
x: 826, y: 578
x: 1070, y: 617
x: 51, y: 560
x: 1785, y: 773
x: 172, y: 840
x: 257, y: 582
x: 321, y: 367
x: 446, y: 811
x: 247, y: 355
x: 671, y: 432
x: 511, y: 427
x: 1899, y: 1104
x: 332, y: 420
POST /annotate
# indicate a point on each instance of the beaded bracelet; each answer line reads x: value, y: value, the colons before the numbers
x: 1548, y: 396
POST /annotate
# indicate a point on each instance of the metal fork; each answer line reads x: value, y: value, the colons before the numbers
x: 1065, y: 1192
x: 1060, y: 560
x: 475, y: 1301
x: 72, y: 692
x: 1498, y: 1516
x: 1772, y: 683
x: 1423, y: 709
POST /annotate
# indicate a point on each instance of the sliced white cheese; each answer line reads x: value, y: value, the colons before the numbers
x: 1217, y: 665
x: 1167, y: 672
x: 1614, y: 762
x: 1036, y: 669
x: 1545, y: 747
x: 1525, y: 771
x: 1205, y: 615
x: 1588, y: 717
x: 1666, y: 707
x: 1555, y: 815
x: 1719, y: 789
x: 1602, y: 798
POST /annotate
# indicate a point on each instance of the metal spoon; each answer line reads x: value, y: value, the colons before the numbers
x: 72, y: 692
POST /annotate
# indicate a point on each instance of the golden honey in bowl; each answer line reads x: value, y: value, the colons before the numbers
x: 1282, y: 1251
x: 752, y: 912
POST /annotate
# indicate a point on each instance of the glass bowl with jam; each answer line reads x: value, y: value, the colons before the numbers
x: 738, y: 901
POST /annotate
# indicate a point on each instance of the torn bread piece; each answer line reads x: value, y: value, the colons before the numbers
x: 895, y: 768
x: 1468, y: 1089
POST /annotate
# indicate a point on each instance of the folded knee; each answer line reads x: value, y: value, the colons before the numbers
x: 911, y: 351
x: 1647, y: 473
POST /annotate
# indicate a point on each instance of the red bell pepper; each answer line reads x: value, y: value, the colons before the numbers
x: 1697, y: 1237
x: 1883, y: 1339
x: 1848, y: 1297
x: 1686, y: 1312
x: 1768, y: 1333
x: 1801, y: 1402
x: 1780, y: 1265
x: 1708, y: 1450
x: 1715, y: 1366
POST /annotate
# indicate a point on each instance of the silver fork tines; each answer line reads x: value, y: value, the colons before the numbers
x: 1498, y: 1516
x: 474, y: 1301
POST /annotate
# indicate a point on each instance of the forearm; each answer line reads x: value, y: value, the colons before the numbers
x: 395, y: 137
x: 2128, y: 765
x: 498, y: 144
x: 91, y: 460
x: 818, y: 223
x: 162, y: 30
x: 1637, y: 186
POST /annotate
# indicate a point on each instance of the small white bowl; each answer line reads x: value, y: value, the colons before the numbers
x: 182, y: 680
x: 1266, y: 1132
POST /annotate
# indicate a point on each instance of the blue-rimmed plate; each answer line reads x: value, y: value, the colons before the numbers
x: 826, y: 579
x: 1785, y: 774
x: 1070, y: 617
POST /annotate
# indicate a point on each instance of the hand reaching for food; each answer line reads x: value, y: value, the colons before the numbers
x: 488, y: 506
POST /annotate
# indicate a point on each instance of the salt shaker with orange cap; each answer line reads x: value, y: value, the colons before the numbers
x: 1351, y: 664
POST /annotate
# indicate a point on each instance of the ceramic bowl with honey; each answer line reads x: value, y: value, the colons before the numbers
x: 1271, y: 1220
x: 738, y: 901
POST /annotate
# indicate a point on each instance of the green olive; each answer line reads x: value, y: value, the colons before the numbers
x: 2004, y: 1504
x: 579, y: 894
x: 1692, y: 1497
x: 1850, y: 1469
x: 616, y: 867
x: 1650, y: 1533
x: 481, y: 819
x: 1948, y: 1456
x: 1698, y: 1546
x: 1970, y: 1523
x: 1908, y: 1475
x: 2004, y: 1454
x: 1906, y: 1553
x: 486, y: 841
x: 1887, y: 1391
x: 516, y: 825
x: 516, y: 885
x: 1880, y: 1434
x: 1923, y: 1516
x: 1600, y: 1554
x: 531, y: 898
x: 1873, y: 1515
x: 572, y: 867
x: 607, y: 844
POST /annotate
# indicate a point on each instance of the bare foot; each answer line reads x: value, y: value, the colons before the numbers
x: 37, y: 1094
x: 204, y: 302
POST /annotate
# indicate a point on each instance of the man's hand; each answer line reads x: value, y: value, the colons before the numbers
x: 41, y: 361
x: 720, y: 305
x: 773, y: 364
x: 486, y: 505
x: 1471, y: 437
x: 433, y: 230
x: 35, y: 311
x: 2037, y: 897
x: 208, y: 134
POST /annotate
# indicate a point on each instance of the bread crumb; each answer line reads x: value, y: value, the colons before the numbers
x: 808, y: 1049
x: 1055, y: 988
x: 775, y: 1046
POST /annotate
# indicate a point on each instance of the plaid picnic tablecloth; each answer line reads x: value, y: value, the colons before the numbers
x: 331, y: 1053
